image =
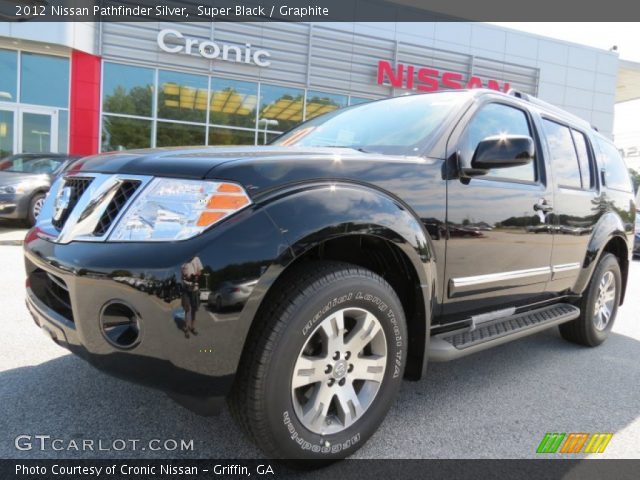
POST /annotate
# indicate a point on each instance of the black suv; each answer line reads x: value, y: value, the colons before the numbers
x: 348, y: 253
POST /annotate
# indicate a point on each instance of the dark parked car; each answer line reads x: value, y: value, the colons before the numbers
x: 25, y: 180
x: 379, y: 237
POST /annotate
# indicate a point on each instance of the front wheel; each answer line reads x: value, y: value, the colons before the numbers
x: 35, y: 207
x: 598, y: 307
x: 324, y: 365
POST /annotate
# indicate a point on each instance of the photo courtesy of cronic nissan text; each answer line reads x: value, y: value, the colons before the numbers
x: 336, y: 239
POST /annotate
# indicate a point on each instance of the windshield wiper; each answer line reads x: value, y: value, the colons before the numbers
x: 359, y: 149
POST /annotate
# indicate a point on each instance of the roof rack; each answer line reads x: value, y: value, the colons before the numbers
x: 552, y: 108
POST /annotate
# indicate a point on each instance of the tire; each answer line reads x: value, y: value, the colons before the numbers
x: 588, y: 329
x: 292, y: 329
x: 35, y: 205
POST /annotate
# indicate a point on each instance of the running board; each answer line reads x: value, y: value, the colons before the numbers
x: 451, y: 345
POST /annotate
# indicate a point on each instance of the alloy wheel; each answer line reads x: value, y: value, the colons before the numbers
x: 37, y: 207
x: 339, y: 371
x: 605, y: 300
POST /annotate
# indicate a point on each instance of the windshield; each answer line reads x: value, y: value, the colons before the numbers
x: 29, y: 164
x: 395, y: 126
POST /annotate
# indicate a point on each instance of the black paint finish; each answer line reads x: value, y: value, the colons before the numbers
x: 447, y: 227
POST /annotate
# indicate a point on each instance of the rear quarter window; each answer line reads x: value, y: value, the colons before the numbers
x: 616, y: 174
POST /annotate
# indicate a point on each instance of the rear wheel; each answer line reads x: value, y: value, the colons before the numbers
x: 598, y: 307
x: 35, y: 207
x: 324, y: 364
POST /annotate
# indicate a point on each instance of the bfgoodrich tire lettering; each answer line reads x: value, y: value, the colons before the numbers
x: 262, y: 398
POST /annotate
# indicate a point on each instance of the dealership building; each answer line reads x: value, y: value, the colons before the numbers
x: 89, y: 87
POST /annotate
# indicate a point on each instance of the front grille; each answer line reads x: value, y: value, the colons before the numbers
x: 119, y: 200
x: 52, y: 291
x: 78, y: 186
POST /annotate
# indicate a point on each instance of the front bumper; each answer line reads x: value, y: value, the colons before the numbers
x: 14, y: 206
x: 69, y: 285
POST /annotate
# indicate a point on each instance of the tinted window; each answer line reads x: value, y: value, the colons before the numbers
x: 280, y: 107
x: 44, y: 80
x: 616, y: 175
x: 176, y: 134
x: 358, y: 100
x: 231, y: 136
x: 497, y: 119
x: 120, y: 133
x: 582, y: 147
x: 127, y: 89
x: 320, y: 102
x: 182, y: 96
x: 233, y: 102
x: 563, y: 155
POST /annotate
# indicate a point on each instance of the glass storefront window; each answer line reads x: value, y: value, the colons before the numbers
x: 233, y: 110
x: 119, y: 133
x: 63, y: 131
x: 6, y: 133
x: 36, y: 132
x: 233, y: 103
x: 44, y: 80
x: 281, y: 108
x: 322, y: 102
x: 182, y: 96
x: 127, y: 89
x: 359, y: 100
x: 178, y: 134
x: 9, y: 76
x: 231, y: 136
x: 264, y: 138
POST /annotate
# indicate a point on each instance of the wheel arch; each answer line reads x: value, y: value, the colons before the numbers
x: 609, y: 236
x: 618, y: 247
x: 365, y: 227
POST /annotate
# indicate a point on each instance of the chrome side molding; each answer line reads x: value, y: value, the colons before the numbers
x: 514, y: 278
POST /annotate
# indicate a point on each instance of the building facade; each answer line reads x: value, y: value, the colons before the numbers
x: 85, y: 88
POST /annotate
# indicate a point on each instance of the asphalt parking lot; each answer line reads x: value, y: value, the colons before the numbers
x: 495, y: 404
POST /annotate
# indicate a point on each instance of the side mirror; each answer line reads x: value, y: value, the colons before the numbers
x: 500, y: 151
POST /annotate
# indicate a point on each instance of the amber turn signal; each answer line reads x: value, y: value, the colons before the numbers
x: 227, y: 202
x: 229, y: 188
x: 209, y: 218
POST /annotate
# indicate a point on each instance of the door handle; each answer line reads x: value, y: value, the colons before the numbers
x: 543, y: 206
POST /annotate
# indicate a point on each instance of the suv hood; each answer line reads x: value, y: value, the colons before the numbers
x: 195, y: 162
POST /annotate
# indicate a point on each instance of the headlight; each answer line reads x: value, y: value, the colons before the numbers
x: 17, y: 188
x: 170, y: 209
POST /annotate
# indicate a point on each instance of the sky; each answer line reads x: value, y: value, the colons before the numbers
x: 604, y: 35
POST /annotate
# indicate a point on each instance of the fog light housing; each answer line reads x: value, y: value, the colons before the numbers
x: 120, y: 324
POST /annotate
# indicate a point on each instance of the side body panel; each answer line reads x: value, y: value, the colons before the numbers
x: 499, y: 245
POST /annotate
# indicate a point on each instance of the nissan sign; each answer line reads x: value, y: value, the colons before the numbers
x: 172, y: 41
x: 430, y: 79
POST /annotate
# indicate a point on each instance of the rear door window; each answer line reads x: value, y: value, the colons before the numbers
x: 564, y: 159
x: 584, y: 159
x: 616, y: 175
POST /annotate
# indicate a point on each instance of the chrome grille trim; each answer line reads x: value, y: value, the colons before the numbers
x: 82, y: 221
